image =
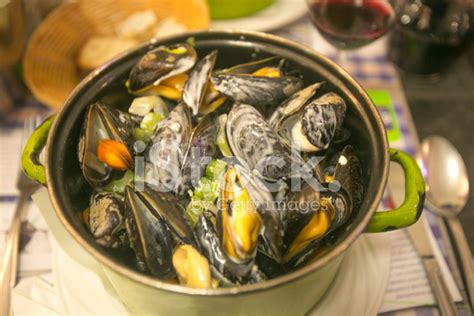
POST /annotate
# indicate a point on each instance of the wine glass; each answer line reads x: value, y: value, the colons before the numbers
x: 350, y: 24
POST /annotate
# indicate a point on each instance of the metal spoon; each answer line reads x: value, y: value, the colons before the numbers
x: 447, y: 191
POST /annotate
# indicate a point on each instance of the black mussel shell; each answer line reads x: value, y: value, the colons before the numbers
x: 161, y: 63
x: 254, y: 90
x: 102, y: 122
x: 209, y: 245
x: 149, y: 236
x: 268, y: 265
x: 195, y: 88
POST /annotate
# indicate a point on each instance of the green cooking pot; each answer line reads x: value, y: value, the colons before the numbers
x: 293, y: 293
x: 230, y: 9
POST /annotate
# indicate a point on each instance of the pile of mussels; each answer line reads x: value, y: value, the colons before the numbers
x: 218, y: 177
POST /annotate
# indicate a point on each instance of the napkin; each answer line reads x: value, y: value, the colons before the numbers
x: 78, y: 290
x: 35, y: 296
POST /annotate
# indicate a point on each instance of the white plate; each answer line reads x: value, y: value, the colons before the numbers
x: 280, y: 13
x: 366, y: 264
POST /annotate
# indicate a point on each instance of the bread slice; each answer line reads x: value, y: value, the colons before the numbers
x: 139, y: 26
x: 100, y: 49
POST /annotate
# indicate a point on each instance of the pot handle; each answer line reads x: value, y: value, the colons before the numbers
x: 411, y: 208
x: 33, y: 147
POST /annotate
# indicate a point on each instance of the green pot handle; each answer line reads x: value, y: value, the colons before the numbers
x: 411, y: 208
x: 33, y: 147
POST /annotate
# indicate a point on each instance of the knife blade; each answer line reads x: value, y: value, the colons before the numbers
x: 440, y: 290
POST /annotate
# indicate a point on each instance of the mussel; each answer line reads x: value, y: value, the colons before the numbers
x: 149, y: 236
x: 191, y: 267
x: 314, y: 126
x: 105, y: 144
x: 197, y: 85
x: 272, y: 233
x: 155, y: 223
x: 170, y: 142
x: 255, y: 90
x: 106, y: 220
x: 165, y: 63
x: 256, y: 145
x: 293, y: 104
x: 336, y: 204
x: 239, y: 222
x: 209, y: 244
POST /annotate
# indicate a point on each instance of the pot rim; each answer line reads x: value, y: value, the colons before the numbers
x: 237, y: 290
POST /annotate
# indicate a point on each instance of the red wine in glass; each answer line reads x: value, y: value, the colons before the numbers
x: 349, y: 24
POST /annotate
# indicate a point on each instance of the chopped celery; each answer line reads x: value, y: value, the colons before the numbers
x: 147, y: 126
x: 150, y: 120
x: 215, y: 168
x: 206, y: 192
x: 142, y: 134
x: 118, y: 186
x: 195, y: 209
x: 141, y: 106
x: 221, y: 140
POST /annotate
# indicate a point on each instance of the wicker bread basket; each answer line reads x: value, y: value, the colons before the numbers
x: 51, y: 71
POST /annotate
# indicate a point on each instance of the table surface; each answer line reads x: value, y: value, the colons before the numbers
x: 445, y: 106
x: 435, y: 105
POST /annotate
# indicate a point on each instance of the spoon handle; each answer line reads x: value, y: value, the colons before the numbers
x: 439, y: 287
x: 464, y: 256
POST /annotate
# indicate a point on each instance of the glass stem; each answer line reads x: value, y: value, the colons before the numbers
x: 341, y: 58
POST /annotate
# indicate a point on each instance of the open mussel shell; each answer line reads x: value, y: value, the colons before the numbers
x: 300, y: 206
x: 272, y: 232
x: 256, y: 145
x: 302, y: 256
x: 340, y: 204
x: 169, y: 145
x: 149, y: 235
x: 159, y: 64
x: 314, y: 127
x: 107, y: 221
x: 334, y: 210
x: 239, y: 223
x: 197, y: 83
x: 293, y: 104
x: 256, y: 90
x: 310, y: 217
x: 101, y: 123
x: 210, y: 246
